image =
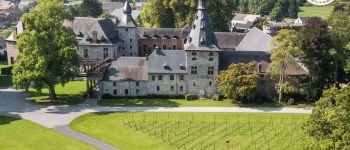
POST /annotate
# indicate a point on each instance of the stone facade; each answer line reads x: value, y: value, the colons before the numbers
x: 146, y: 46
x: 12, y: 52
x: 129, y: 42
x: 124, y: 88
x: 166, y: 84
x: 202, y: 69
x: 97, y: 52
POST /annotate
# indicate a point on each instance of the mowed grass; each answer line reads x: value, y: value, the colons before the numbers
x: 17, y: 134
x: 70, y: 94
x: 3, y: 64
x: 320, y: 11
x: 184, y: 103
x: 167, y: 131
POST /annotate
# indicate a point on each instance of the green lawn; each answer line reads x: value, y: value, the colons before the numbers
x: 17, y: 134
x: 167, y: 131
x: 71, y: 94
x: 185, y: 103
x: 321, y: 11
x: 3, y: 64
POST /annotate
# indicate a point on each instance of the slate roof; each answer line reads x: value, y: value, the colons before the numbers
x: 111, y: 6
x: 156, y: 33
x: 255, y: 40
x: 84, y: 26
x: 174, y: 59
x: 226, y: 58
x: 202, y: 36
x: 127, y: 69
x: 228, y: 40
x: 127, y: 19
x: 245, y: 17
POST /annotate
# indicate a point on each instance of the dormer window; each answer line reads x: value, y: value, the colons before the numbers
x: 166, y: 66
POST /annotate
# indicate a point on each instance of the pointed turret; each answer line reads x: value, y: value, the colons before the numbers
x: 202, y: 37
x: 127, y: 19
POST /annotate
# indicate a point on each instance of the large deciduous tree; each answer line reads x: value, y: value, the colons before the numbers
x: 238, y: 82
x: 329, y: 124
x: 48, y: 49
x: 339, y: 23
x: 90, y: 8
x: 317, y: 58
x: 285, y: 48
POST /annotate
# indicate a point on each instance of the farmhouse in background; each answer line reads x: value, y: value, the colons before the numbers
x: 243, y: 22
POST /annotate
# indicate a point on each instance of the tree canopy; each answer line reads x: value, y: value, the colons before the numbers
x: 238, y: 82
x: 285, y: 48
x: 90, y: 8
x: 48, y: 49
x: 329, y: 123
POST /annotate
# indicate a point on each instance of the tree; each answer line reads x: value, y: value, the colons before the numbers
x: 316, y: 46
x: 106, y: 15
x: 48, y: 49
x: 329, y: 125
x: 239, y: 81
x: 339, y: 23
x: 285, y: 47
x: 156, y: 14
x: 277, y: 12
x: 90, y: 8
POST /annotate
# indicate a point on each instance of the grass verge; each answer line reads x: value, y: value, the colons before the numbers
x: 25, y: 135
x: 166, y: 131
x: 320, y: 11
x: 70, y: 94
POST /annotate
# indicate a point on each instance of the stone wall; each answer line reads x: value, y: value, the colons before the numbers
x: 129, y: 42
x: 202, y: 83
x: 146, y: 46
x: 97, y: 51
x: 12, y: 52
x: 132, y: 88
x: 166, y: 86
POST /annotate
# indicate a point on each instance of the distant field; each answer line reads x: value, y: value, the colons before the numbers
x: 17, y: 134
x: 195, y: 131
x: 323, y: 12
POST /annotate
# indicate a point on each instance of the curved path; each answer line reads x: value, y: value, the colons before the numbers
x: 13, y: 103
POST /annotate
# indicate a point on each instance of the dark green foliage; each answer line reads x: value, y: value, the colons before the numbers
x: 6, y: 70
x: 90, y: 8
x: 217, y: 97
x: 329, y: 126
x: 191, y: 97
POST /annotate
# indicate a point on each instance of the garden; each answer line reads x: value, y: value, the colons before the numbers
x: 195, y: 130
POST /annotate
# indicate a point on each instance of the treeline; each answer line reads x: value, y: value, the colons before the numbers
x: 179, y: 13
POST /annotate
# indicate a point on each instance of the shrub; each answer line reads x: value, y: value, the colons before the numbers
x: 107, y: 96
x: 6, y: 70
x: 190, y: 97
x: 218, y: 97
x: 290, y: 101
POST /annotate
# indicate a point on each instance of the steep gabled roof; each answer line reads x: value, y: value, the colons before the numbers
x: 127, y: 69
x: 127, y: 20
x: 84, y: 26
x: 175, y: 60
x: 255, y: 40
x: 228, y: 40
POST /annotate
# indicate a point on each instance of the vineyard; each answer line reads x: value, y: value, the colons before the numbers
x: 218, y: 131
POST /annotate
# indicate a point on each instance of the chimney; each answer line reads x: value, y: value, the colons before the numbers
x: 14, y: 33
x: 158, y: 50
x: 94, y: 37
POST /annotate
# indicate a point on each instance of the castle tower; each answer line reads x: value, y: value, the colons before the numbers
x: 202, y: 55
x: 127, y: 33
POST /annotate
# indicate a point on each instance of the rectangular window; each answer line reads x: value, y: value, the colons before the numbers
x: 193, y: 69
x: 126, y: 92
x: 114, y: 83
x: 210, y: 70
x: 160, y: 77
x: 164, y: 47
x: 145, y: 47
x: 86, y: 54
x: 137, y: 91
x: 105, y: 52
x: 126, y: 29
x: 210, y: 83
x: 194, y: 83
x: 211, y: 59
x: 158, y: 88
x: 174, y: 47
x: 130, y: 40
x: 182, y: 77
x: 181, y: 89
x: 12, y: 60
x: 153, y: 78
x: 115, y: 91
x: 172, y: 77
x: 172, y: 88
x: 137, y: 83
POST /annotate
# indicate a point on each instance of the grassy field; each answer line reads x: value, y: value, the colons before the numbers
x: 166, y: 131
x: 321, y: 11
x: 185, y: 103
x: 17, y: 134
x: 70, y: 94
